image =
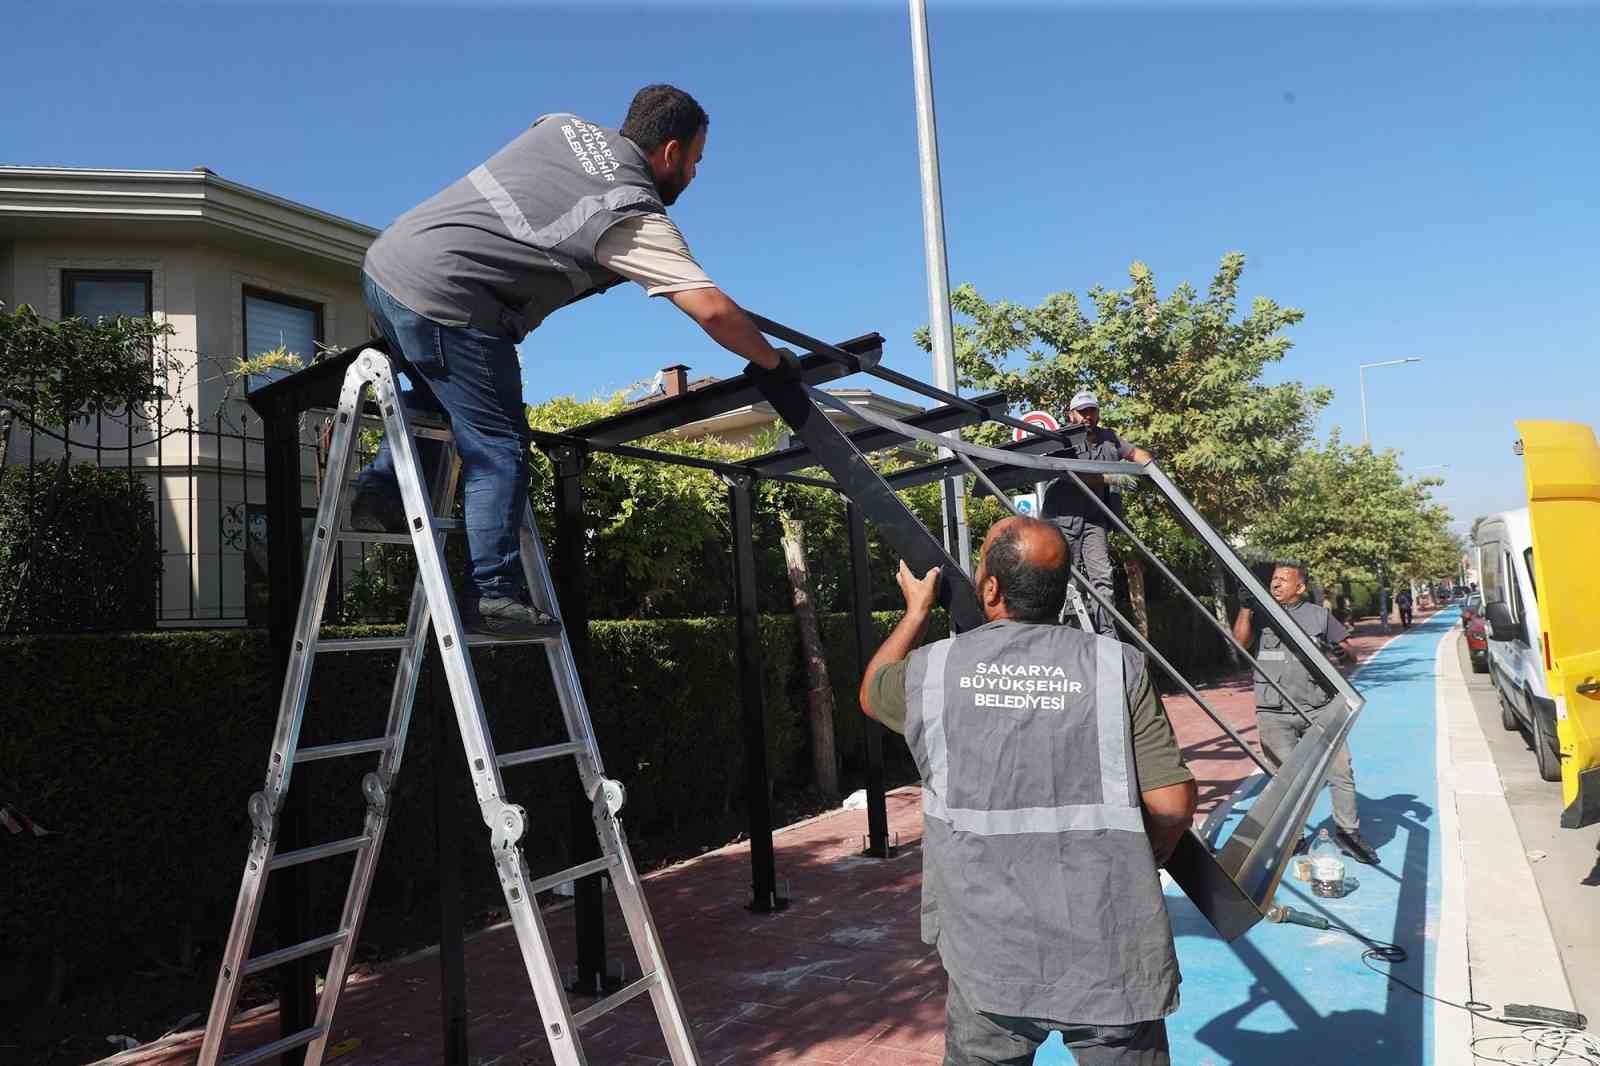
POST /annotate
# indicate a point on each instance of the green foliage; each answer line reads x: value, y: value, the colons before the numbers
x: 63, y: 370
x: 1181, y: 376
x: 277, y: 361
x: 78, y: 549
x: 1347, y: 509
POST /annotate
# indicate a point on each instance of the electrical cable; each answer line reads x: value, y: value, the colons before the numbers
x: 1547, y: 1045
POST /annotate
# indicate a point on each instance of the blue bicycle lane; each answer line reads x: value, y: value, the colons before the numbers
x: 1288, y: 994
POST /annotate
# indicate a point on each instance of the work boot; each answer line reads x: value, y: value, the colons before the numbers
x: 1350, y: 842
x: 502, y: 616
x: 377, y: 510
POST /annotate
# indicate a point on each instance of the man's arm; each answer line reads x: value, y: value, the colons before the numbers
x: 1244, y: 627
x: 726, y: 323
x: 920, y: 595
x: 1168, y: 814
x: 1166, y: 786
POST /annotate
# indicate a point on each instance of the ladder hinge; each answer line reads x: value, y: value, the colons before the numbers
x: 376, y: 792
x: 507, y: 822
x: 263, y: 817
x: 608, y: 797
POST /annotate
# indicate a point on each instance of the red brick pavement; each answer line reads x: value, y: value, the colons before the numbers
x: 840, y: 976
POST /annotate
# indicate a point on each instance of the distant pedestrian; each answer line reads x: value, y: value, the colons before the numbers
x: 1403, y: 601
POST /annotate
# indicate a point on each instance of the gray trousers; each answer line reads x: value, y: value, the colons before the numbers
x: 1280, y: 731
x: 974, y: 1038
x: 1091, y: 552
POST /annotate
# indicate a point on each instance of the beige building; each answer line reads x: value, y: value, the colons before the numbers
x: 235, y: 271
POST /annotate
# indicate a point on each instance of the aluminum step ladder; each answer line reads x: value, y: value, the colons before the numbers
x: 433, y: 604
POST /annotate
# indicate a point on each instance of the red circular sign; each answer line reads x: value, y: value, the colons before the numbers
x: 1042, y: 419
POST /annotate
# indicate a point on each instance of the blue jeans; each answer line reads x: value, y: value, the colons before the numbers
x: 475, y: 379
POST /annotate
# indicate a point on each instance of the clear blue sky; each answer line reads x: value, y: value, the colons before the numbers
x: 1421, y: 181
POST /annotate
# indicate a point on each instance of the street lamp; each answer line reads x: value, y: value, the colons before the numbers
x: 1366, y: 438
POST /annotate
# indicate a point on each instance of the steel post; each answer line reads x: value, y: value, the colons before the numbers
x: 861, y: 613
x: 297, y: 988
x: 571, y: 590
x: 763, y: 871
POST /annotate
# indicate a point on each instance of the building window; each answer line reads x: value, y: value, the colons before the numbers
x: 97, y: 294
x: 273, y: 321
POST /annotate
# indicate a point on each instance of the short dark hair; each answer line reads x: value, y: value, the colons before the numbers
x: 662, y: 113
x: 1291, y: 564
x: 1033, y: 593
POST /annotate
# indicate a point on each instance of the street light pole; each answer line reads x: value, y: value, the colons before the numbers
x: 941, y: 332
x: 1366, y: 438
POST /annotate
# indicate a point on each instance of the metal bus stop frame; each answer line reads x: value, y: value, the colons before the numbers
x: 1232, y: 887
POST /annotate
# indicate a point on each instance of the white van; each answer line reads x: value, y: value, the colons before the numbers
x: 1511, y: 609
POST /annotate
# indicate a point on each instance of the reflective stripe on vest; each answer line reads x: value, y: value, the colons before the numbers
x: 1116, y: 811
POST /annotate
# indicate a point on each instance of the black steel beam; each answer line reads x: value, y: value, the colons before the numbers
x: 1004, y: 476
x: 871, y: 439
x: 285, y: 572
x: 866, y: 645
x: 317, y: 385
x: 752, y: 701
x: 866, y: 489
x: 723, y: 396
x: 448, y: 755
x: 572, y: 593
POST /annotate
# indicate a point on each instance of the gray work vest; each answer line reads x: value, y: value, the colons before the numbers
x: 1039, y: 887
x: 515, y: 239
x: 1280, y: 663
x: 1064, y: 500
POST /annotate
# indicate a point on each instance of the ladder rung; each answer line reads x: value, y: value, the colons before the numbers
x: 337, y: 751
x: 442, y: 525
x: 319, y: 851
x: 276, y: 1048
x: 616, y: 999
x: 546, y: 635
x: 552, y: 751
x: 561, y: 877
x: 295, y: 951
x: 431, y: 432
x: 364, y: 644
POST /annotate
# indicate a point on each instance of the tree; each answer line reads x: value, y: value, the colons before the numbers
x: 1181, y: 376
x: 1348, y: 509
x: 53, y: 373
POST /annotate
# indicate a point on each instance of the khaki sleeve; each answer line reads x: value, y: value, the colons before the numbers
x: 887, y: 695
x: 649, y: 250
x: 1156, y: 758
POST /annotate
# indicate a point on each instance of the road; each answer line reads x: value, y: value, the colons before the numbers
x: 1565, y: 862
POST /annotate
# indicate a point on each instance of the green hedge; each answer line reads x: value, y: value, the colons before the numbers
x: 78, y: 549
x: 139, y: 752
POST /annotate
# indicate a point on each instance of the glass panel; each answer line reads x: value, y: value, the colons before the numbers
x: 269, y: 324
x: 95, y: 298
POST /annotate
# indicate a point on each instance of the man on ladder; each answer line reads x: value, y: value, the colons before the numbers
x: 567, y: 209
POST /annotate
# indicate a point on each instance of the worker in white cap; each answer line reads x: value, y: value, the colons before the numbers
x: 1085, y: 524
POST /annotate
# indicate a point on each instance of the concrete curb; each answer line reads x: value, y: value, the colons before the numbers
x: 1495, y: 941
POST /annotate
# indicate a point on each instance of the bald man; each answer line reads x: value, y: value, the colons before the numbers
x: 1052, y: 789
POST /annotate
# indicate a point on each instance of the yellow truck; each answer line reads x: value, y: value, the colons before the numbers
x: 1562, y: 632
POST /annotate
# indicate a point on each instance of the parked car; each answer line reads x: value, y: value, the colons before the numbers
x: 1511, y: 608
x: 1476, y: 629
x: 1470, y: 607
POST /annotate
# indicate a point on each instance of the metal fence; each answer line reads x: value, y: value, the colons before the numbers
x: 205, y: 481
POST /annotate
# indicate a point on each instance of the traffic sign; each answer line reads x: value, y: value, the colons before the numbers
x: 1043, y: 419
